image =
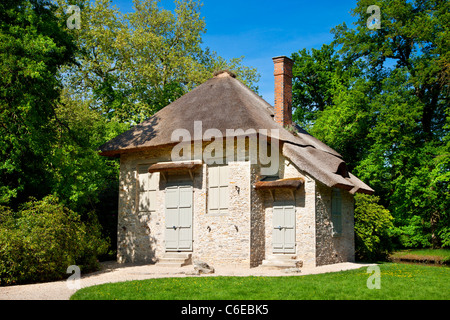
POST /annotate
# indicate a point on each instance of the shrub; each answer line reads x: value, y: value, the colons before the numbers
x: 444, y: 234
x: 372, y: 223
x: 44, y: 238
x: 414, y: 234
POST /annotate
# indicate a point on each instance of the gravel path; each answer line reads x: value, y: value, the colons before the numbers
x: 113, y: 272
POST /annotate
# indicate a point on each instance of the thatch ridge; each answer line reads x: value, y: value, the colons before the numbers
x: 219, y: 72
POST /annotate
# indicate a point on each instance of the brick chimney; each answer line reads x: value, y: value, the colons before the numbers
x: 283, y: 90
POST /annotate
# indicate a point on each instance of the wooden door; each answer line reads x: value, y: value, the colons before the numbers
x: 178, y: 204
x: 283, y: 239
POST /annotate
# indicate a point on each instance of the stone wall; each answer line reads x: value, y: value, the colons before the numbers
x: 139, y: 234
x: 244, y: 234
x: 262, y: 215
x: 329, y: 248
x: 304, y: 199
x: 258, y: 220
x: 223, y: 238
x: 305, y: 215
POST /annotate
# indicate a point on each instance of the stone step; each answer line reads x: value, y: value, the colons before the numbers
x: 177, y: 255
x: 278, y: 264
x: 175, y: 259
x: 282, y: 257
x: 282, y: 262
x: 171, y: 260
x: 171, y: 264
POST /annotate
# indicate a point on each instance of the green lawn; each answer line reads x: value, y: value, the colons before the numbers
x: 441, y: 253
x: 398, y: 281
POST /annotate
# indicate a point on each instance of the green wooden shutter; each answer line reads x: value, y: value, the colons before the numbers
x: 289, y: 229
x: 185, y: 218
x: 278, y: 232
x: 172, y: 199
x: 218, y: 198
x: 153, y: 186
x: 223, y: 188
x: 148, y: 185
x: 144, y: 201
x: 213, y: 189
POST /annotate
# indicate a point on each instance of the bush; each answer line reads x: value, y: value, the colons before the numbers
x: 372, y: 224
x: 44, y: 238
x: 414, y: 234
x: 444, y: 234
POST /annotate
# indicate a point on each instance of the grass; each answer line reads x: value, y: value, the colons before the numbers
x: 398, y: 282
x: 442, y: 253
x: 430, y: 255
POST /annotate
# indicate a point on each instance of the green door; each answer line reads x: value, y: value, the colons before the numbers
x: 283, y: 235
x: 178, y: 233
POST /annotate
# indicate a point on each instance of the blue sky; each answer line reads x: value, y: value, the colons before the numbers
x: 260, y: 30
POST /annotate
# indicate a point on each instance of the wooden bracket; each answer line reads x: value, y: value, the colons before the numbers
x: 293, y: 194
x: 271, y: 194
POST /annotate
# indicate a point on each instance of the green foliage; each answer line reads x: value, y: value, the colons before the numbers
x: 248, y: 75
x: 43, y: 239
x: 414, y: 234
x: 63, y: 93
x: 313, y: 82
x: 33, y: 45
x: 444, y: 234
x: 48, y: 139
x: 132, y: 65
x: 80, y: 173
x: 372, y: 224
x: 128, y: 67
x: 381, y: 100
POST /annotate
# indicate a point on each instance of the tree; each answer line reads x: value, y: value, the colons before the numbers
x: 33, y: 46
x: 127, y: 68
x: 66, y: 92
x: 388, y: 111
x: 313, y: 74
x: 132, y: 65
x: 332, y: 94
x: 372, y: 225
x: 43, y: 238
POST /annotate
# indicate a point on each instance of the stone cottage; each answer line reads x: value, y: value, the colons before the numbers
x: 221, y: 176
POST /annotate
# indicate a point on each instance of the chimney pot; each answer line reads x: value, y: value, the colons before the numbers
x: 283, y: 90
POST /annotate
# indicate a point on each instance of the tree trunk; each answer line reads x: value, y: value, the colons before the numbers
x: 435, y: 241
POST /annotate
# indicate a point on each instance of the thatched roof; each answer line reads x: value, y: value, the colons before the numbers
x: 330, y: 170
x: 223, y: 102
